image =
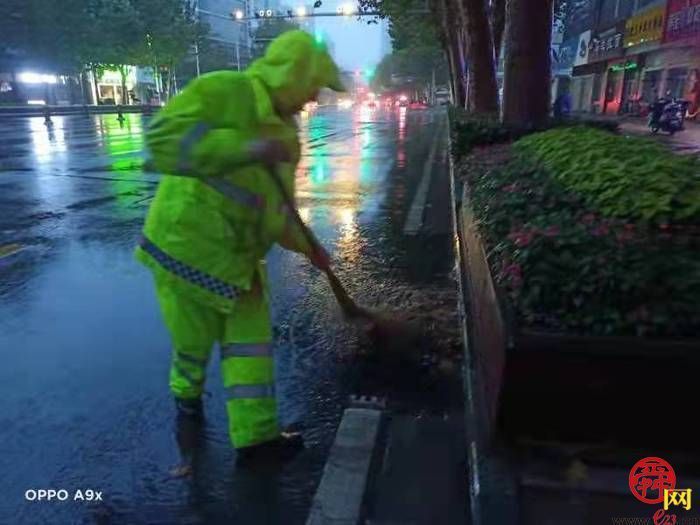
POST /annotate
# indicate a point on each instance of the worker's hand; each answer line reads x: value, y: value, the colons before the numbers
x: 320, y: 258
x: 269, y: 151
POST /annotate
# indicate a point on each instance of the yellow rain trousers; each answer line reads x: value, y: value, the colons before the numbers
x: 215, y: 216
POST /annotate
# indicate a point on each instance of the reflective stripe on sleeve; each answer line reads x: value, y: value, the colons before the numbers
x: 236, y: 193
x: 188, y: 142
x: 250, y: 391
x: 193, y: 360
x: 187, y: 375
x: 246, y: 350
x: 184, y: 166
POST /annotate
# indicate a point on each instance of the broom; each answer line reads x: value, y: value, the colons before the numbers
x: 391, y: 332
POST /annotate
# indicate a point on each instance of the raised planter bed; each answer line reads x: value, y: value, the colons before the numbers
x: 539, y: 398
x: 575, y: 388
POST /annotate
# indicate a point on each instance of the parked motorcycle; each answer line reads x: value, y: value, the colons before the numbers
x: 667, y: 115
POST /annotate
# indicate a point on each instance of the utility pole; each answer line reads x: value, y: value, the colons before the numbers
x: 196, y: 57
x: 238, y: 50
x: 196, y: 44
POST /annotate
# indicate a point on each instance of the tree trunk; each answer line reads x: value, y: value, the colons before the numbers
x: 122, y: 74
x: 97, y: 87
x: 483, y: 91
x: 450, y: 39
x: 498, y: 24
x: 461, y: 55
x: 81, y: 78
x: 527, y: 83
x: 460, y: 91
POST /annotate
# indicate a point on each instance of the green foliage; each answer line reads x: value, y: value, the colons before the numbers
x: 412, y: 66
x: 474, y: 130
x: 470, y: 130
x: 567, y: 269
x: 415, y: 38
x: 629, y: 177
x: 66, y: 35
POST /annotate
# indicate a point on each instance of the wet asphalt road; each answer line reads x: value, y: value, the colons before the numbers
x: 85, y: 355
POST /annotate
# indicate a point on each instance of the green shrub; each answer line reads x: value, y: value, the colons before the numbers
x: 567, y: 269
x: 628, y: 177
x: 470, y: 130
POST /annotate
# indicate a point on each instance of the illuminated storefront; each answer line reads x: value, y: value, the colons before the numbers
x: 681, y: 56
x: 643, y: 34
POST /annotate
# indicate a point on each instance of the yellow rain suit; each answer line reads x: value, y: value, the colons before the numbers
x: 216, y: 215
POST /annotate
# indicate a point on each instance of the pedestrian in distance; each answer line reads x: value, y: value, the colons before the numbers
x: 216, y: 214
x: 562, y: 105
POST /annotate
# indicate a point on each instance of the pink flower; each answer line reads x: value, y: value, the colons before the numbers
x: 514, y: 273
x: 600, y: 230
x: 521, y: 238
x: 551, y: 231
x: 589, y: 218
x: 624, y: 236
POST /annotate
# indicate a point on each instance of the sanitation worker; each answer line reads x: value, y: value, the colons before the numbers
x: 216, y: 214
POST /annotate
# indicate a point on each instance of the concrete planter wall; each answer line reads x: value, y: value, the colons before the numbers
x: 539, y: 395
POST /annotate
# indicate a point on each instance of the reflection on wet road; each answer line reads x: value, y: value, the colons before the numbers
x: 84, y: 381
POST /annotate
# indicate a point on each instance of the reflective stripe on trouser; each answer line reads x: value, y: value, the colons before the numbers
x: 194, y: 329
x: 247, y: 368
x: 246, y: 361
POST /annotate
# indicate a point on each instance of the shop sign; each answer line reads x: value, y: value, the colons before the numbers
x: 645, y: 27
x: 113, y: 77
x: 583, y: 47
x: 625, y: 66
x: 683, y: 22
x: 144, y: 75
x: 607, y: 44
x: 566, y: 54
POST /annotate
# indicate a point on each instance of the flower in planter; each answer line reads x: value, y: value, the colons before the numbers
x: 513, y: 273
x: 601, y: 230
x: 522, y: 238
x: 551, y: 231
x: 624, y: 235
x: 588, y: 218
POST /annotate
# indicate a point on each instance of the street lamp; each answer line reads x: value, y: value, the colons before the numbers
x: 238, y: 15
x: 346, y: 9
x: 301, y: 11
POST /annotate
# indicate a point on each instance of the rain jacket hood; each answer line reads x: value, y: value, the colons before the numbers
x: 295, y: 66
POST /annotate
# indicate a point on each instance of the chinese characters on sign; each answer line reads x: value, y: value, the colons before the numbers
x: 683, y: 20
x: 647, y: 26
x: 607, y: 44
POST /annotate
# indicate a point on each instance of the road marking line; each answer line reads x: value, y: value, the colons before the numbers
x: 10, y: 249
x: 414, y: 219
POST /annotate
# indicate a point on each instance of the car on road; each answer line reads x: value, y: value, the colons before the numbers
x: 442, y: 96
x: 402, y: 101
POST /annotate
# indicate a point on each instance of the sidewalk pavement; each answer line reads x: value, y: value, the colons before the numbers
x: 686, y: 141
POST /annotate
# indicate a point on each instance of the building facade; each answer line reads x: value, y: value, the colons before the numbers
x: 629, y: 52
x: 226, y: 30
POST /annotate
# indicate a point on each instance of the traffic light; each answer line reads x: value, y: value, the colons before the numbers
x: 369, y: 73
x: 319, y: 37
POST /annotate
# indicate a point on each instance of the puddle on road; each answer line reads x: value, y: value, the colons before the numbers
x: 92, y: 337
